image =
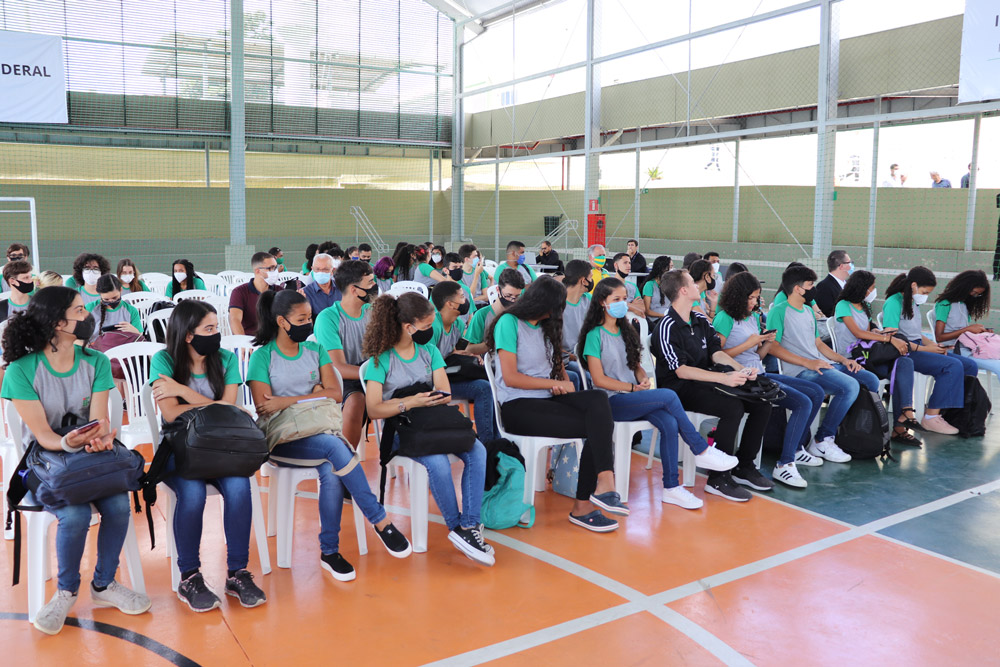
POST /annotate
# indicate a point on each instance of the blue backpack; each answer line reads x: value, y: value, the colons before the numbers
x: 503, y: 505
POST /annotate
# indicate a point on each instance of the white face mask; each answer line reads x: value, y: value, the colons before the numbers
x: 715, y: 267
x: 90, y: 276
x: 920, y: 299
x: 436, y: 257
x: 272, y: 277
x: 180, y: 277
x: 336, y: 264
x: 871, y: 295
x: 127, y: 277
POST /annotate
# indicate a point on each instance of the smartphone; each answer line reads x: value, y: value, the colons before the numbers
x: 461, y: 344
x: 436, y: 393
x: 86, y: 427
x: 110, y: 327
x: 769, y: 332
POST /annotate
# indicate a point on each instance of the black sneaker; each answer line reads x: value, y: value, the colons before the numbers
x: 338, y: 566
x: 241, y: 586
x: 471, y: 543
x: 723, y: 485
x: 750, y: 476
x: 196, y: 594
x: 395, y: 542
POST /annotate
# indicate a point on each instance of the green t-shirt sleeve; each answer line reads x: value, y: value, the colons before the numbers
x: 324, y: 358
x: 941, y: 311
x: 437, y: 361
x: 647, y: 289
x: 89, y: 307
x: 425, y: 269
x: 259, y: 368
x: 170, y: 289
x: 842, y: 310
x: 505, y: 333
x: 162, y: 365
x: 437, y: 330
x: 892, y: 312
x: 230, y: 368
x: 103, y: 380
x: 723, y: 323
x: 496, y: 274
x: 377, y: 373
x: 592, y: 343
x: 531, y: 272
x: 199, y: 283
x: 134, y: 318
x: 71, y: 282
x: 477, y: 328
x: 328, y: 329
x: 142, y: 284
x: 776, y: 320
x: 17, y: 381
x: 484, y: 280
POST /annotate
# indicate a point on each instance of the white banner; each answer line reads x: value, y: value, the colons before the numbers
x: 979, y: 76
x: 32, y: 78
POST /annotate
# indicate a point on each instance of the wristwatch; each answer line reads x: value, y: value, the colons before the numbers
x: 402, y: 407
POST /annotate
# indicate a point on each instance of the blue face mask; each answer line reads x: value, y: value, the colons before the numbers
x: 321, y: 278
x: 520, y: 259
x: 617, y: 310
x: 850, y: 269
x: 475, y: 262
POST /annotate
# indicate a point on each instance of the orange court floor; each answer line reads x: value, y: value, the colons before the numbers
x: 876, y: 563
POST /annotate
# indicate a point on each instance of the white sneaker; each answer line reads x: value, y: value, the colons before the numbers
x: 51, y: 618
x: 789, y: 474
x: 681, y: 497
x: 715, y: 459
x: 125, y: 599
x: 804, y: 458
x: 829, y: 450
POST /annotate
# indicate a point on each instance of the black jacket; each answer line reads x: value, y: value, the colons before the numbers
x: 678, y: 343
x: 827, y: 294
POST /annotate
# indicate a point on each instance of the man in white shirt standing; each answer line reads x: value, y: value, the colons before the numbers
x: 896, y: 177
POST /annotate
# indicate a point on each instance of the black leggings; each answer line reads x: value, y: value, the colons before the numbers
x: 581, y: 414
x: 702, y: 397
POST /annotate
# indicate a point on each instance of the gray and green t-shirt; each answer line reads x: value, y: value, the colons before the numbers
x: 657, y: 300
x: 893, y: 318
x: 125, y: 312
x: 476, y: 331
x: 336, y: 330
x: 954, y: 315
x: 610, y: 349
x: 573, y: 318
x: 797, y: 331
x: 527, y: 342
x: 445, y: 340
x: 845, y: 339
x: 394, y: 372
x: 737, y: 333
x: 422, y: 274
x: 288, y: 376
x: 31, y: 378
x: 162, y: 365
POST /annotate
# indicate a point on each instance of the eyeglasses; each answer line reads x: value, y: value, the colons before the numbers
x: 269, y: 268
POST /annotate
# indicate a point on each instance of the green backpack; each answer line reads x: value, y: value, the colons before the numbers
x: 503, y: 505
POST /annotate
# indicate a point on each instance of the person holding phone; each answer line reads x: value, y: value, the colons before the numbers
x: 110, y: 311
x: 50, y: 376
x: 399, y: 344
x: 738, y: 325
x: 285, y: 370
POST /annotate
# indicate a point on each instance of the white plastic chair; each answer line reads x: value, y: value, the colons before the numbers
x: 492, y: 293
x: 242, y: 347
x: 490, y: 267
x: 234, y: 278
x: 405, y: 286
x: 281, y: 504
x: 533, y: 448
x: 257, y: 512
x: 646, y: 358
x: 156, y: 325
x: 135, y: 359
x: 199, y: 294
x: 144, y: 302
x: 156, y: 282
x: 9, y: 458
x: 215, y: 284
x: 286, y: 276
x: 39, y: 521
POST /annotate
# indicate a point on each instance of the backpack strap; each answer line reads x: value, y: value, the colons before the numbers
x: 148, y: 483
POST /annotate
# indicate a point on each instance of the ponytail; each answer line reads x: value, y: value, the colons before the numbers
x: 270, y: 306
x: 920, y: 275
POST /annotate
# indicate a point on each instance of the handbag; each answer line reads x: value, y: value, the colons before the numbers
x: 985, y: 345
x: 301, y: 420
x: 215, y: 440
x: 112, y: 339
x: 464, y: 368
x: 760, y: 390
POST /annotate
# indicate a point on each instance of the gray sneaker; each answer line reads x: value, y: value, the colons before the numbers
x: 51, y: 618
x: 125, y: 599
x: 193, y: 592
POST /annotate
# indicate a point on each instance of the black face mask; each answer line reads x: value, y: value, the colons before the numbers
x: 369, y: 293
x: 622, y: 274
x: 810, y: 295
x: 507, y: 303
x: 85, y: 327
x: 463, y: 309
x: 112, y: 304
x: 206, y: 345
x: 589, y: 285
x: 710, y: 285
x: 422, y: 336
x: 24, y: 288
x: 299, y: 332
x: 456, y: 274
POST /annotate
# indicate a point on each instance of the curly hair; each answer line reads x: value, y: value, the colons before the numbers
x: 595, y: 318
x: 544, y: 300
x: 388, y: 316
x: 83, y: 259
x: 35, y: 328
x: 920, y: 275
x: 736, y: 294
x: 403, y: 261
x: 959, y: 290
x: 856, y: 288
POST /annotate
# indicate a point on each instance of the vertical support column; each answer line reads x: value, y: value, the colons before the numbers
x: 208, y: 168
x: 237, y: 252
x: 970, y: 214
x: 873, y: 192
x: 826, y: 109
x: 592, y: 111
x: 638, y: 187
x: 430, y: 195
x: 736, y: 195
x: 457, y: 140
x: 496, y: 212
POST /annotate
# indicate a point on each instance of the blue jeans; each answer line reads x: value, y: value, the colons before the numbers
x: 478, y: 391
x: 443, y: 488
x: 843, y: 386
x: 902, y: 383
x: 804, y: 398
x: 949, y: 378
x: 663, y: 409
x: 71, y: 538
x: 331, y: 486
x: 969, y: 365
x: 190, y: 511
x: 991, y: 365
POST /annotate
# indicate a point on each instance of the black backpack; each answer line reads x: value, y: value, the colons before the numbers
x: 865, y: 431
x: 970, y: 419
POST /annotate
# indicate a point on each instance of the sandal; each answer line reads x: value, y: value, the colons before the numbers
x: 910, y: 423
x: 905, y: 437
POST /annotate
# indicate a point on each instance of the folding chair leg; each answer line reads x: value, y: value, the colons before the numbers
x: 530, y: 467
x: 286, y: 518
x: 133, y: 562
x: 175, y: 573
x: 37, y: 560
x: 272, y: 503
x: 259, y: 529
x: 623, y: 462
x: 419, y: 492
x: 652, y: 452
x: 359, y: 528
x: 540, y: 470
